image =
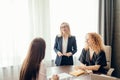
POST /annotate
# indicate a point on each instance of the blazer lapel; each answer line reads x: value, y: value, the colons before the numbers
x: 68, y: 44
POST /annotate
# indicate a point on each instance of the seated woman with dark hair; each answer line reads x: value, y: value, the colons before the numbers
x: 33, y: 67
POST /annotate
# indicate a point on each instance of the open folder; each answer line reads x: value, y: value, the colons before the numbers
x: 77, y: 72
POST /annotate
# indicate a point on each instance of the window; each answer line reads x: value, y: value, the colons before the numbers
x: 82, y: 16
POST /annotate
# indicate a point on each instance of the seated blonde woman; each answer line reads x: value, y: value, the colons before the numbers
x: 93, y: 55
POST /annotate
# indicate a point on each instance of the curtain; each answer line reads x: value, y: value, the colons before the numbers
x: 108, y: 29
x: 40, y: 22
x: 20, y: 22
x: 106, y: 20
x: 14, y: 31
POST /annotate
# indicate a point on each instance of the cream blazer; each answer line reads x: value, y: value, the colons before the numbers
x: 42, y: 72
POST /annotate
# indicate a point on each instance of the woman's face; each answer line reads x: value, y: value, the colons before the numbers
x: 88, y: 40
x: 64, y: 29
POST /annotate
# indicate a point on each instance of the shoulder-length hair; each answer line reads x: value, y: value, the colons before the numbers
x: 31, y: 64
x: 68, y: 27
x: 97, y: 42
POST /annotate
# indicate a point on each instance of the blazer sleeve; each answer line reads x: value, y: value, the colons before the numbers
x: 56, y: 45
x: 101, y: 59
x: 82, y: 56
x: 74, y: 50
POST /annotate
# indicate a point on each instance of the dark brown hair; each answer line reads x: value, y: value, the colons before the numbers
x: 31, y: 64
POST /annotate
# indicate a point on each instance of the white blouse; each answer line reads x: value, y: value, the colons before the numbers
x: 64, y: 45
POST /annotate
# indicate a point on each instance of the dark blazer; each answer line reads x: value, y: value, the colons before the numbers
x: 99, y: 59
x: 71, y: 47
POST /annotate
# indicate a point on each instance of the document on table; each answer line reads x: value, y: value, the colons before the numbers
x: 62, y: 76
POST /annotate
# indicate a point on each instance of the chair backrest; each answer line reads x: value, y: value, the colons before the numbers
x: 108, y: 56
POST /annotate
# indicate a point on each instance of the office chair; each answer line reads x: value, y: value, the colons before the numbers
x: 108, y: 51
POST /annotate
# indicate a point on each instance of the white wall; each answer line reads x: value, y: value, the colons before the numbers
x: 82, y: 16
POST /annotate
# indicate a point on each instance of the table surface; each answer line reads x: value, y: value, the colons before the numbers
x: 66, y: 69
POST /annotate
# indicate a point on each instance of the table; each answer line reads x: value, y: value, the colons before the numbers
x: 66, y: 69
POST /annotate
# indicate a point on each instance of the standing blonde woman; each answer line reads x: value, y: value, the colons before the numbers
x: 65, y: 46
x: 93, y: 55
x: 33, y: 67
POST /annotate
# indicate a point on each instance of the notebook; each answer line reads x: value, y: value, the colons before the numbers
x: 102, y: 77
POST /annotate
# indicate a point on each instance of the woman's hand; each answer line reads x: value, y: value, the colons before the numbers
x: 55, y: 77
x: 59, y: 54
x: 84, y: 67
x: 68, y: 54
x: 77, y: 67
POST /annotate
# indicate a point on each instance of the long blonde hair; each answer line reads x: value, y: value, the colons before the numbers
x: 97, y: 42
x: 68, y: 27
